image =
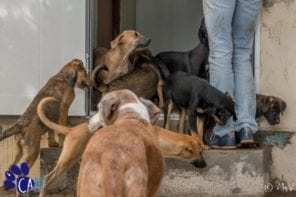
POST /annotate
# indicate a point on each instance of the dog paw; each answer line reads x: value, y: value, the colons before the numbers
x: 17, y: 177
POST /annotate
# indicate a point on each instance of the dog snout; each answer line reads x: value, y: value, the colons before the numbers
x: 274, y: 122
x: 200, y: 163
x: 144, y: 42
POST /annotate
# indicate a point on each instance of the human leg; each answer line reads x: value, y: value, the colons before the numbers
x: 218, y: 17
x: 243, y: 32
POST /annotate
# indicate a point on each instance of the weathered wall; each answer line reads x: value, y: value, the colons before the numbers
x: 278, y: 71
x: 278, y: 57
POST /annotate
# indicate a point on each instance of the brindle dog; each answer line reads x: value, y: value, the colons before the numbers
x: 145, y: 80
x: 270, y: 107
x: 28, y: 129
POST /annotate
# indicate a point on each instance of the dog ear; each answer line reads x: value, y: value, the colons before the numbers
x: 230, y: 97
x: 196, y: 136
x: 283, y: 106
x: 116, y: 41
x: 153, y: 110
x: 266, y: 104
x: 109, y: 108
x: 69, y: 73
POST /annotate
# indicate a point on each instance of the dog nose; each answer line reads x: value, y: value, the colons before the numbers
x: 199, y: 163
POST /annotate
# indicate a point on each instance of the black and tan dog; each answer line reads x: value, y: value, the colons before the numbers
x: 197, y: 96
x: 194, y: 61
x: 28, y: 129
x: 270, y: 107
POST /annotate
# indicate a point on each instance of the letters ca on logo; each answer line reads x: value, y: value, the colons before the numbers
x: 17, y: 178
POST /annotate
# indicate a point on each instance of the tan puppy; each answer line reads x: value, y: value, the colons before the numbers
x: 124, y: 157
x: 181, y: 146
x: 115, y: 62
x: 28, y: 129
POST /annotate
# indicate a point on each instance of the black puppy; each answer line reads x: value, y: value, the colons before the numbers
x: 194, y: 61
x: 270, y: 107
x: 198, y: 96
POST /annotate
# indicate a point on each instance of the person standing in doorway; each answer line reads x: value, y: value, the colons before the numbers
x: 231, y: 31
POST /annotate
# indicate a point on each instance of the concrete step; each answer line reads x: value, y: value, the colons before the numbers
x: 228, y: 172
x: 238, y: 172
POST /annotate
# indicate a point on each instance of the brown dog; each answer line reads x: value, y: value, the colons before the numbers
x: 124, y: 157
x: 270, y: 107
x: 28, y: 129
x: 144, y: 80
x: 116, y: 59
x: 180, y: 146
x: 76, y: 139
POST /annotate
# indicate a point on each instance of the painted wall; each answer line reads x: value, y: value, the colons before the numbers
x: 278, y: 77
x: 37, y: 38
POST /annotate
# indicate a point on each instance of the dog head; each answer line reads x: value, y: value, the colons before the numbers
x: 130, y: 40
x: 75, y: 74
x: 271, y: 108
x: 223, y: 109
x: 122, y: 104
x: 203, y: 34
x: 188, y: 148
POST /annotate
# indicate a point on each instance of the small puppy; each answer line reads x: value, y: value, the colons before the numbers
x: 197, y: 96
x: 115, y: 62
x: 188, y: 148
x: 124, y: 157
x: 28, y: 129
x: 270, y: 107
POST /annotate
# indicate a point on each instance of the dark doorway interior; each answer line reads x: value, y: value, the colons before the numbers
x: 107, y: 21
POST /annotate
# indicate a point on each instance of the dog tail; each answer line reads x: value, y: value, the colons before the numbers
x: 12, y: 130
x: 55, y: 127
x: 96, y: 81
x: 162, y: 67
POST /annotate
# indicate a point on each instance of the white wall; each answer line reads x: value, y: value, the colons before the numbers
x: 37, y: 37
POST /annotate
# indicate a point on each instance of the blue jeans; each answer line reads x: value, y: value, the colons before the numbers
x: 231, y: 30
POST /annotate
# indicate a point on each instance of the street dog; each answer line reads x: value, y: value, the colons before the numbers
x: 270, y: 107
x: 188, y: 148
x: 28, y: 129
x: 124, y: 157
x: 197, y: 96
x: 115, y: 61
x: 76, y: 139
x: 194, y: 61
x: 172, y: 145
x: 145, y: 80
